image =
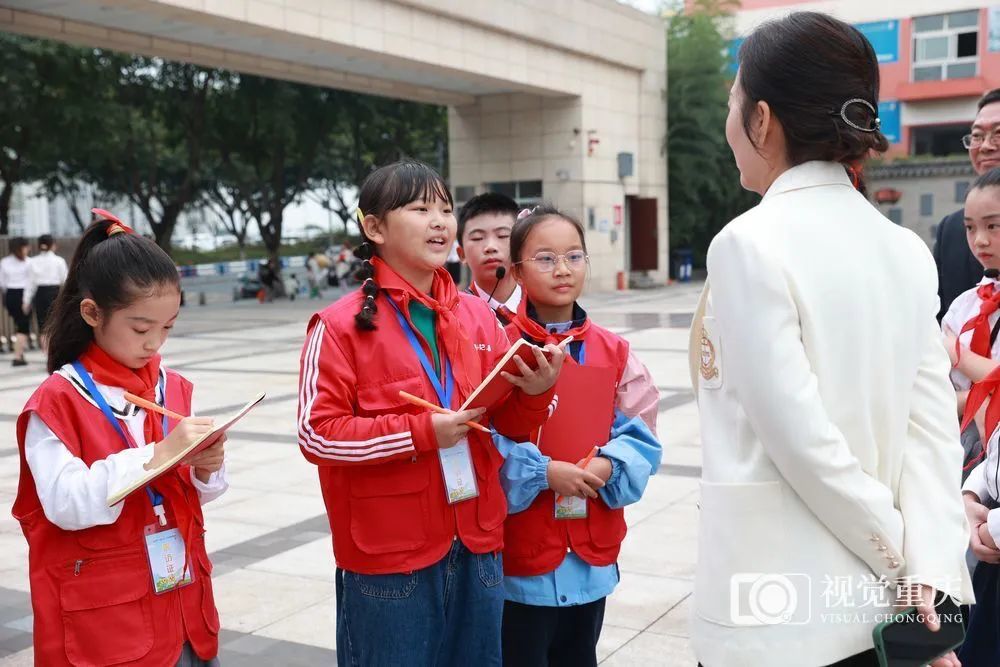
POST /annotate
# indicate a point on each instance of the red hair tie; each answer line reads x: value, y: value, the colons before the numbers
x: 116, y: 226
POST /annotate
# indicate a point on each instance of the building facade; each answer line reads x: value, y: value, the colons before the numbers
x: 561, y: 101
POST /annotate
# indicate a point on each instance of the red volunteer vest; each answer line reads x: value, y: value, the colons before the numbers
x: 394, y: 517
x: 91, y: 589
x: 535, y: 542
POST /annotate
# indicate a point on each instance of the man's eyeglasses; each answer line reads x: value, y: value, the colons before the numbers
x: 977, y: 137
x: 545, y: 262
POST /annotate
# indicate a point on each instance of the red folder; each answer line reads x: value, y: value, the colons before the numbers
x: 584, y: 412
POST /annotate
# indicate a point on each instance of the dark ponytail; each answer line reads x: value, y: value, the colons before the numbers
x: 114, y: 271
x: 820, y: 77
x: 386, y: 189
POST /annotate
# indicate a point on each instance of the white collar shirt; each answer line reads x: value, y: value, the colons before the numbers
x: 962, y: 309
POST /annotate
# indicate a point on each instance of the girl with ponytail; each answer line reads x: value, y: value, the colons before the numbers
x: 102, y: 589
x: 414, y: 498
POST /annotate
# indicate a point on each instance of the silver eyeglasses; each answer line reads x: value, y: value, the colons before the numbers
x: 977, y: 137
x: 545, y: 262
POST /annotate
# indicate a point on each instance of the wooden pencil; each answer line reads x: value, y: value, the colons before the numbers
x: 416, y: 400
x: 152, y: 407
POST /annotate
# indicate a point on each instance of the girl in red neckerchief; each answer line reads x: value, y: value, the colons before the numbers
x: 567, y: 487
x: 414, y: 497
x: 970, y: 328
x: 127, y: 584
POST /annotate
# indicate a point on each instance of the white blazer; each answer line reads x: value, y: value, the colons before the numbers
x: 830, y: 444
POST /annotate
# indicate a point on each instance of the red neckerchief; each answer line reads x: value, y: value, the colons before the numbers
x: 981, y: 392
x: 443, y: 302
x: 537, y: 332
x: 141, y: 381
x: 980, y: 324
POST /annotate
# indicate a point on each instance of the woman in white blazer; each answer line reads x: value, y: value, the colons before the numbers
x: 831, y: 455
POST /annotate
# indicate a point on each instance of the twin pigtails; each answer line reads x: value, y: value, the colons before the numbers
x: 365, y: 319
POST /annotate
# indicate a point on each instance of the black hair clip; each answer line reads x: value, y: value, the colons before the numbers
x: 877, y: 124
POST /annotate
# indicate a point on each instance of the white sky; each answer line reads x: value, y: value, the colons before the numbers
x: 650, y: 6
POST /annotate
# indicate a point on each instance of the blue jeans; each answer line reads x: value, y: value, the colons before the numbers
x: 445, y: 614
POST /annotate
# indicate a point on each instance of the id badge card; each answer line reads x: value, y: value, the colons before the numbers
x: 165, y: 550
x: 571, y: 507
x: 459, y: 475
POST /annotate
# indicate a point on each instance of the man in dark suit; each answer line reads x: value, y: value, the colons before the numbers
x: 958, y: 268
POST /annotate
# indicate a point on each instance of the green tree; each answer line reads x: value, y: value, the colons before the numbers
x: 154, y: 150
x: 373, y: 131
x: 44, y: 109
x: 703, y: 182
x: 92, y: 119
x: 267, y: 138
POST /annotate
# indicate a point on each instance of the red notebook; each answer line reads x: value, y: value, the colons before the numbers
x: 584, y: 412
x: 494, y: 388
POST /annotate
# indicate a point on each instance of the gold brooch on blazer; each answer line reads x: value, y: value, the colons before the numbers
x: 709, y: 369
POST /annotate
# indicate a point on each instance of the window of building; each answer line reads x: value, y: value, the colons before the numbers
x: 961, y: 190
x: 946, y: 46
x: 896, y: 215
x: 525, y: 193
x: 926, y: 204
x: 938, y: 139
x: 464, y: 193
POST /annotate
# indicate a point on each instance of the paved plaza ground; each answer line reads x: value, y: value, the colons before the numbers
x: 269, y: 538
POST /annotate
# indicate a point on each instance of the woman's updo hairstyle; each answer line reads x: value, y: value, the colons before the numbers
x: 386, y: 189
x: 820, y: 78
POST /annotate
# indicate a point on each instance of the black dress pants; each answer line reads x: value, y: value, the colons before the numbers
x: 551, y: 636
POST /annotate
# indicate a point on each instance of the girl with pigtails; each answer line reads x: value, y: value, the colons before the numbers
x: 414, y: 498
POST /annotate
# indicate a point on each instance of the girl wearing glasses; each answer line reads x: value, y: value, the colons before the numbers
x: 566, y: 500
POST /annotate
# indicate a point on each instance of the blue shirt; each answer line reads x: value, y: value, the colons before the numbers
x: 634, y: 453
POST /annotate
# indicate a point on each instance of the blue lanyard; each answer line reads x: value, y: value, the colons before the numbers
x: 444, y: 392
x: 582, y: 354
x: 155, y: 498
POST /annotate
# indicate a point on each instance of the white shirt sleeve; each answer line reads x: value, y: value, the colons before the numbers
x: 217, y: 484
x: 950, y: 320
x: 976, y: 482
x: 29, y: 289
x: 72, y: 495
x: 62, y: 270
x: 993, y: 524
